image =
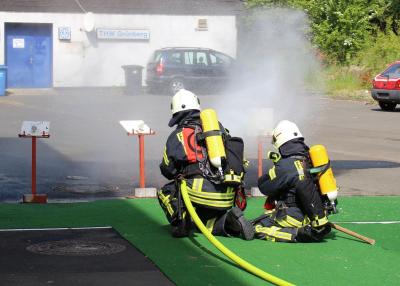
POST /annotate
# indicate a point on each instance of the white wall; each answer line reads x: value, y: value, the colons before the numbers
x: 87, y: 61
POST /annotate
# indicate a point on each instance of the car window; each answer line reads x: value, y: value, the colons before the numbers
x: 175, y: 58
x: 219, y: 59
x: 189, y: 56
x: 201, y: 58
x: 392, y: 71
x: 155, y: 57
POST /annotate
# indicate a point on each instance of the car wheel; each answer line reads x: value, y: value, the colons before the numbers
x: 387, y: 106
x: 175, y: 85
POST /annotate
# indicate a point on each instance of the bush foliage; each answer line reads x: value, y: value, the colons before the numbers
x: 362, y: 32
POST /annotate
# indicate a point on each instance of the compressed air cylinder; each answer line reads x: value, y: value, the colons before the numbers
x: 327, y: 182
x: 214, y: 143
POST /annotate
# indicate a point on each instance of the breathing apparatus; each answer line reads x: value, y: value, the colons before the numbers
x: 321, y: 171
x: 220, y: 149
x: 213, y: 136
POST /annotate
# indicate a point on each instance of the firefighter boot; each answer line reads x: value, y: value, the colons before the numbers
x: 182, y: 228
x: 312, y: 234
x: 237, y: 225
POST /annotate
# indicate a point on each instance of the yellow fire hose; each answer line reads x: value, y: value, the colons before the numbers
x: 228, y: 253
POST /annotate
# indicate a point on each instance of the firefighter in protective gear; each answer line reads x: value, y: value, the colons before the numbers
x: 295, y: 211
x: 184, y: 159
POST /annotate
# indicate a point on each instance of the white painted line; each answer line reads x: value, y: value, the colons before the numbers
x: 56, y: 228
x: 369, y: 222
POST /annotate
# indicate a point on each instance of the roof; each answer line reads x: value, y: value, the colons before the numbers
x: 164, y: 7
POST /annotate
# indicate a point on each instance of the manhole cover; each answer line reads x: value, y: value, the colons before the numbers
x: 76, y: 248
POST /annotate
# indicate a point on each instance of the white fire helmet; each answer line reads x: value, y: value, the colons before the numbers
x: 184, y: 100
x: 284, y: 132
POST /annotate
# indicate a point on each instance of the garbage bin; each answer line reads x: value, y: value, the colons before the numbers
x: 133, y: 79
x: 3, y: 73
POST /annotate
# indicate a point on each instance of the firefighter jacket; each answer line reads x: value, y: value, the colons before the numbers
x: 289, y: 180
x: 181, y: 158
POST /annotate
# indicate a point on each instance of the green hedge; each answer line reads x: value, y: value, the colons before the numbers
x: 350, y: 31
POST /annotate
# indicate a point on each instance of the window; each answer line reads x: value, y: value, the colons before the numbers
x: 175, y: 58
x: 201, y: 58
x: 219, y: 59
x: 393, y: 71
x: 155, y: 57
x: 189, y: 58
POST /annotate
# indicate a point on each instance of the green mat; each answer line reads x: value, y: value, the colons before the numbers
x: 341, y: 260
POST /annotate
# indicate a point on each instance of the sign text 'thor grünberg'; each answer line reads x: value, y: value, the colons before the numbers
x: 122, y: 34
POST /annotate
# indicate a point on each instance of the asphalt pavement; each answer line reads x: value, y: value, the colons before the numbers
x: 80, y: 256
x: 89, y: 154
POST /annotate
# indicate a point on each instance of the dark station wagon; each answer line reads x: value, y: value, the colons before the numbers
x: 171, y: 69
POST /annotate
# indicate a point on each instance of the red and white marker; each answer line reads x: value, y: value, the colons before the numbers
x: 139, y: 128
x: 33, y: 130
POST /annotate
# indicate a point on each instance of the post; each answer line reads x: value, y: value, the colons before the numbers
x: 260, y: 157
x: 33, y: 165
x: 141, y: 160
x: 139, y: 128
x: 34, y: 130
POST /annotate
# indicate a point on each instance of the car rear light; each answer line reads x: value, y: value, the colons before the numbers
x: 373, y: 83
x: 160, y: 68
x: 397, y: 84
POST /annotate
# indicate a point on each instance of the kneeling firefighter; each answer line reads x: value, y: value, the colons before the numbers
x: 295, y: 209
x: 211, y: 176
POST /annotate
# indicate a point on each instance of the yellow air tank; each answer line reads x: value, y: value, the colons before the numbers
x: 214, y: 143
x: 327, y: 182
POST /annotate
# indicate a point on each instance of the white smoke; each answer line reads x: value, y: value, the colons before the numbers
x: 274, y: 61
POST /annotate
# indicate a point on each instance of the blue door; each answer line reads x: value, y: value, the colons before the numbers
x: 29, y: 49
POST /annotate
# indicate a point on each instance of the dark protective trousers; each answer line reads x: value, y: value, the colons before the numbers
x: 280, y: 224
x: 177, y: 215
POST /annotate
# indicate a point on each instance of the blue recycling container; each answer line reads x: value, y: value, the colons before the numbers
x: 3, y: 73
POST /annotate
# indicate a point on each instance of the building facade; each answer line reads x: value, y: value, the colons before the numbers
x: 61, y: 44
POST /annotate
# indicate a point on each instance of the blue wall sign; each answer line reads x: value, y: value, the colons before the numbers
x: 64, y: 33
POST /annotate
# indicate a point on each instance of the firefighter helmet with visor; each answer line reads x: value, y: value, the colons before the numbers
x: 184, y: 100
x: 284, y: 132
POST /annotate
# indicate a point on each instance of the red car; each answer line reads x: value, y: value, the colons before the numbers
x: 386, y: 87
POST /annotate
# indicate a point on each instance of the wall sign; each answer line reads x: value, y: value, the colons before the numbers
x: 122, y: 34
x: 202, y: 25
x: 19, y: 43
x: 64, y: 33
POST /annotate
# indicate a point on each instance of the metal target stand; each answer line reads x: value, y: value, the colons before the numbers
x: 139, y: 128
x: 33, y: 130
x: 262, y: 119
x: 261, y: 139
